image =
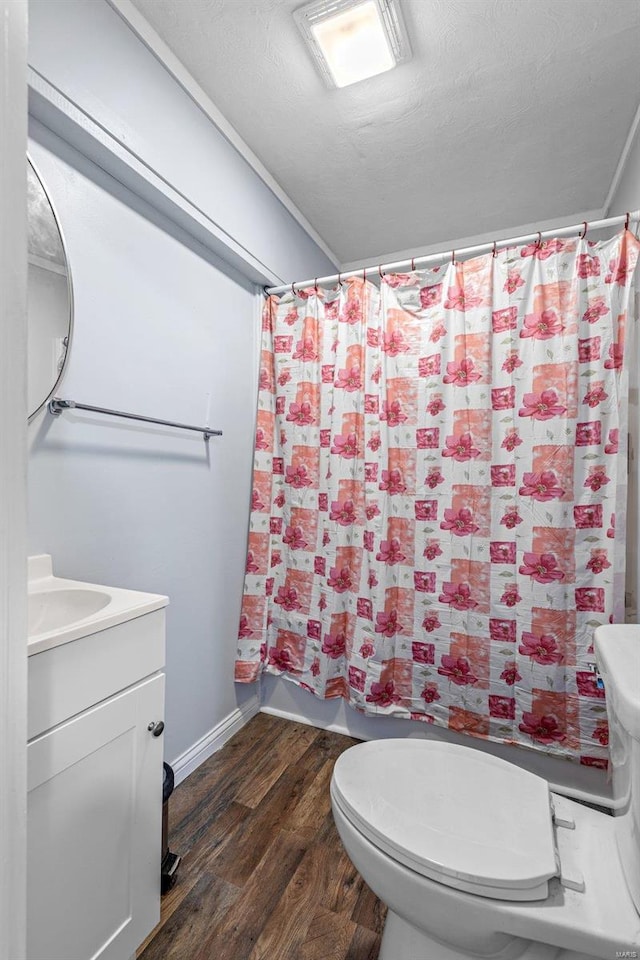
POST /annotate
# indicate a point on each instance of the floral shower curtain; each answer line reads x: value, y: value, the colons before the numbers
x: 439, y: 467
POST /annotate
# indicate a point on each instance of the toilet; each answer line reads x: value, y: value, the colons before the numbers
x: 477, y: 858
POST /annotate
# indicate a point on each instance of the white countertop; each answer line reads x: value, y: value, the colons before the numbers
x: 118, y: 605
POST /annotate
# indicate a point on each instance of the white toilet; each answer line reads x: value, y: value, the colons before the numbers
x: 475, y: 857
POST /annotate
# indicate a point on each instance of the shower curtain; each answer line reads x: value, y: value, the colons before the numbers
x: 438, y: 515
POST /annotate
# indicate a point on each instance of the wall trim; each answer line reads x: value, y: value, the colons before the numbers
x: 301, y: 718
x: 54, y: 110
x: 163, y: 53
x: 212, y: 741
x: 622, y: 162
x: 591, y: 797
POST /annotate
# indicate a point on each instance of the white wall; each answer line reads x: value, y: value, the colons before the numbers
x: 626, y: 197
x: 161, y: 325
x: 158, y: 330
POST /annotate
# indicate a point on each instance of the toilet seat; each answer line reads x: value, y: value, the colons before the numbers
x: 461, y: 817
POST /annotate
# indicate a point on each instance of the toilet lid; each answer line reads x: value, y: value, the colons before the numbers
x: 452, y: 813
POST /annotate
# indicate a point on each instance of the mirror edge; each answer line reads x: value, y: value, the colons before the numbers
x: 60, y: 376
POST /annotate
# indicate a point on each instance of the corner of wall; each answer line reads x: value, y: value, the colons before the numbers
x: 163, y: 53
x: 216, y: 738
x: 624, y: 192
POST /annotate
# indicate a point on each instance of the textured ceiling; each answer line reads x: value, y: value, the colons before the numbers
x: 510, y: 112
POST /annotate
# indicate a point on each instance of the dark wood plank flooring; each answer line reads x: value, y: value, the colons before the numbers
x: 264, y: 875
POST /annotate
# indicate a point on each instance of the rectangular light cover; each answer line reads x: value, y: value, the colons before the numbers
x: 353, y: 39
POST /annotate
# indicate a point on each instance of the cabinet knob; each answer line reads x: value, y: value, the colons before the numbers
x: 156, y: 727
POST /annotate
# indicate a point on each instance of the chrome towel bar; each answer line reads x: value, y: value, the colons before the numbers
x: 56, y: 406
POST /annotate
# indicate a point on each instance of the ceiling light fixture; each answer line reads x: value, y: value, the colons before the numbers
x: 353, y: 39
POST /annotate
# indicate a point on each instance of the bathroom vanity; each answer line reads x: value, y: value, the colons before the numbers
x: 96, y: 702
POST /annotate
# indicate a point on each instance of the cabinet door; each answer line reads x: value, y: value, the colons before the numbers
x: 94, y: 813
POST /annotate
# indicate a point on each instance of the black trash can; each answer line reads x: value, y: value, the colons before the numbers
x: 170, y: 861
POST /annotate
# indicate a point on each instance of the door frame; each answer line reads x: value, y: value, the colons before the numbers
x: 13, y: 473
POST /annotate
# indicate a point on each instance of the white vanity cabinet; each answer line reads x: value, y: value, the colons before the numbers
x: 95, y: 793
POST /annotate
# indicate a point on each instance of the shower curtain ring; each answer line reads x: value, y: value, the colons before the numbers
x: 584, y: 230
x: 339, y: 280
x: 364, y: 275
x: 380, y: 271
x: 293, y: 290
x: 315, y: 285
x: 495, y: 249
x: 539, y: 240
x: 453, y: 257
x: 413, y: 264
x: 626, y: 221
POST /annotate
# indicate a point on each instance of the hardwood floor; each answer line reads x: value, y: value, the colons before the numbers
x: 264, y: 875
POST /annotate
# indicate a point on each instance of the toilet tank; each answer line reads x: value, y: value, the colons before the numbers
x: 618, y: 658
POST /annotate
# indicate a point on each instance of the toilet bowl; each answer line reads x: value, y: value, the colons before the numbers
x: 477, y: 858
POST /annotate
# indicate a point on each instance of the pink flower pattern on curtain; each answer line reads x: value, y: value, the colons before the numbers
x: 438, y: 468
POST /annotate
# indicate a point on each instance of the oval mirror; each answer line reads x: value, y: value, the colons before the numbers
x: 49, y: 297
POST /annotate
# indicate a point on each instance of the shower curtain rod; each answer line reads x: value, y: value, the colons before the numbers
x: 434, y: 257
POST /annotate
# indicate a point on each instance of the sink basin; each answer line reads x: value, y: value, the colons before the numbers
x: 63, y: 610
x: 53, y: 609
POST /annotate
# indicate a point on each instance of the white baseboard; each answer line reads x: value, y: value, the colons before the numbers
x: 300, y: 718
x: 586, y: 796
x: 212, y: 741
